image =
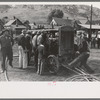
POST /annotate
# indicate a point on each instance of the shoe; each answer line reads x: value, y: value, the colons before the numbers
x: 11, y: 65
x: 2, y: 71
x: 51, y: 72
x: 91, y: 72
x: 28, y: 64
x: 38, y: 72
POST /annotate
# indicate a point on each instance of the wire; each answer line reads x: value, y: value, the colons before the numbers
x: 81, y: 73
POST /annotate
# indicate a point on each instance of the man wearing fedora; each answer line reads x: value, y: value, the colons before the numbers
x: 6, y: 42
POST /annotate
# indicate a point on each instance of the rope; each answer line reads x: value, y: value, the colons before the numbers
x: 81, y: 73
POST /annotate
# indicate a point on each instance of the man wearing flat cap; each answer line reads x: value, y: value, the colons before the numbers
x: 84, y: 51
x: 6, y: 42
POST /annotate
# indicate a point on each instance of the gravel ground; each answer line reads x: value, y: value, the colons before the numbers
x: 29, y: 74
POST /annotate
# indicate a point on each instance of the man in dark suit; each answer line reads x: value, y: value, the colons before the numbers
x: 6, y: 42
x: 28, y: 41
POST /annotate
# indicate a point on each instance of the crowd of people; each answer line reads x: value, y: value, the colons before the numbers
x: 38, y: 44
x: 95, y: 41
x: 28, y: 45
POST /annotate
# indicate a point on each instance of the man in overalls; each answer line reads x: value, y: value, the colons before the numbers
x: 6, y: 42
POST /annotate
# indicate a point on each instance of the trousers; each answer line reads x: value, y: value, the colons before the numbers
x: 22, y: 58
x: 40, y: 66
x: 6, y: 52
x: 82, y: 59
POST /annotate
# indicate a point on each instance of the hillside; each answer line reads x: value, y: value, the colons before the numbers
x: 39, y: 13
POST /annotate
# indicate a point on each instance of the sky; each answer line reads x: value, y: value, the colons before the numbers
x: 94, y: 4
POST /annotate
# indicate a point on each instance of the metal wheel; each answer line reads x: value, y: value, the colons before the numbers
x: 53, y: 63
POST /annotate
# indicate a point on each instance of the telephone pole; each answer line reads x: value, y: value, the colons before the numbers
x: 90, y: 24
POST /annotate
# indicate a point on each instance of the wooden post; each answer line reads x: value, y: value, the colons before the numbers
x: 90, y: 24
x: 52, y: 25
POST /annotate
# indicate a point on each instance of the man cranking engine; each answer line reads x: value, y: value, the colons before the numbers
x: 84, y: 51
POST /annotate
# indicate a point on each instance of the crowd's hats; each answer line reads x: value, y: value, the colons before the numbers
x: 28, y: 32
x: 79, y: 33
x: 38, y: 33
x: 23, y: 31
x: 85, y: 34
x: 34, y: 32
x: 85, y: 37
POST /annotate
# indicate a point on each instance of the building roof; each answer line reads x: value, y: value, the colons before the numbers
x: 94, y: 22
x: 13, y: 21
x: 61, y: 22
x: 83, y: 21
x: 10, y: 22
x: 88, y: 26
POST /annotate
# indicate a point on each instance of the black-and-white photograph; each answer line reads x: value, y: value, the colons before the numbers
x: 42, y: 42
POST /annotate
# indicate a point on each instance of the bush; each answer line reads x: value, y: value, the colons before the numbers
x: 55, y: 13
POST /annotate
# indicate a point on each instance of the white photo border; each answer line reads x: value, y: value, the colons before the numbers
x: 44, y: 89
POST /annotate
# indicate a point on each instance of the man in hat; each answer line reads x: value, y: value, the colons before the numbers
x: 6, y: 42
x: 39, y: 38
x: 40, y: 58
x: 28, y: 38
x: 35, y: 46
x: 22, y: 50
x: 84, y: 55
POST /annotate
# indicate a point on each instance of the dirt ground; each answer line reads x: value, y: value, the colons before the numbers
x: 29, y: 74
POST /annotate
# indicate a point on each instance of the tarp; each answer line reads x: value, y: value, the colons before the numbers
x: 88, y: 26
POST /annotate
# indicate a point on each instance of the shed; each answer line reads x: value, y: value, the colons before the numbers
x: 94, y: 22
x: 83, y: 21
x: 15, y: 25
x: 93, y: 27
x: 61, y: 22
